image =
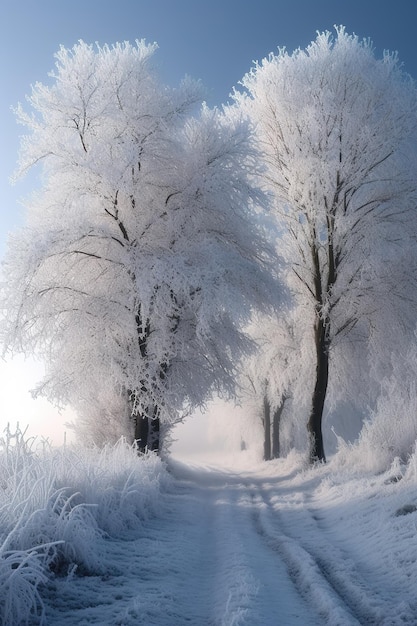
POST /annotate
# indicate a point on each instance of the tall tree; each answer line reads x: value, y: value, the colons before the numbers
x: 277, y: 376
x: 141, y: 257
x: 337, y: 128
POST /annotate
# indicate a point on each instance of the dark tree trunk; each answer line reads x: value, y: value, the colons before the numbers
x: 153, y: 431
x: 154, y: 435
x: 146, y: 434
x: 275, y: 429
x: 267, y: 429
x: 314, y: 424
x: 146, y: 426
x: 141, y: 432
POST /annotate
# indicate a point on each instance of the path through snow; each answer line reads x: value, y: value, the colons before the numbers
x: 231, y: 549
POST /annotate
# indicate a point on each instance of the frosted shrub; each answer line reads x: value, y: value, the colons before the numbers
x: 58, y: 506
x: 70, y: 529
x: 122, y: 490
x: 390, y: 432
x: 34, y: 513
x: 21, y: 573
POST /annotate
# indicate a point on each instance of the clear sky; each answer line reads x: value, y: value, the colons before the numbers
x: 213, y: 40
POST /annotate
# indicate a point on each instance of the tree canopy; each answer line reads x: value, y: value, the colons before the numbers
x: 336, y: 128
x: 141, y: 255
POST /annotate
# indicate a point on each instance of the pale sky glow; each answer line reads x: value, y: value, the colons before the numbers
x: 212, y: 40
x: 17, y: 406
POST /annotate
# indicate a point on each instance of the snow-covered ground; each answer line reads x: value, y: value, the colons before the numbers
x: 259, y: 544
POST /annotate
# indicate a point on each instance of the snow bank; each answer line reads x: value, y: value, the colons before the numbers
x: 55, y: 506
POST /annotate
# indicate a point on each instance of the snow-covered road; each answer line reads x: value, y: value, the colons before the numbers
x: 233, y: 549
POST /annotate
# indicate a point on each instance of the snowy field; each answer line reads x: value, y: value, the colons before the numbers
x: 102, y: 537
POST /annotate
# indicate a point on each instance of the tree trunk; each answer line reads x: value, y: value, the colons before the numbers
x: 314, y: 424
x: 275, y: 429
x: 153, y: 433
x: 147, y: 432
x: 141, y: 432
x: 267, y: 429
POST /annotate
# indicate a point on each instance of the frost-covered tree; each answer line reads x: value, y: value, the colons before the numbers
x: 140, y: 258
x: 276, y: 376
x: 337, y: 128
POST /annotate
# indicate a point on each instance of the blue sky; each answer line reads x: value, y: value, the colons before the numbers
x: 213, y: 40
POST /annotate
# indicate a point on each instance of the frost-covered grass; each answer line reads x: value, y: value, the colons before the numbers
x: 56, y: 505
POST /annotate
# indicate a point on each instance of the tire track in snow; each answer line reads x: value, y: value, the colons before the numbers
x: 251, y: 585
x: 322, y: 573
x: 303, y: 568
x: 252, y: 588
